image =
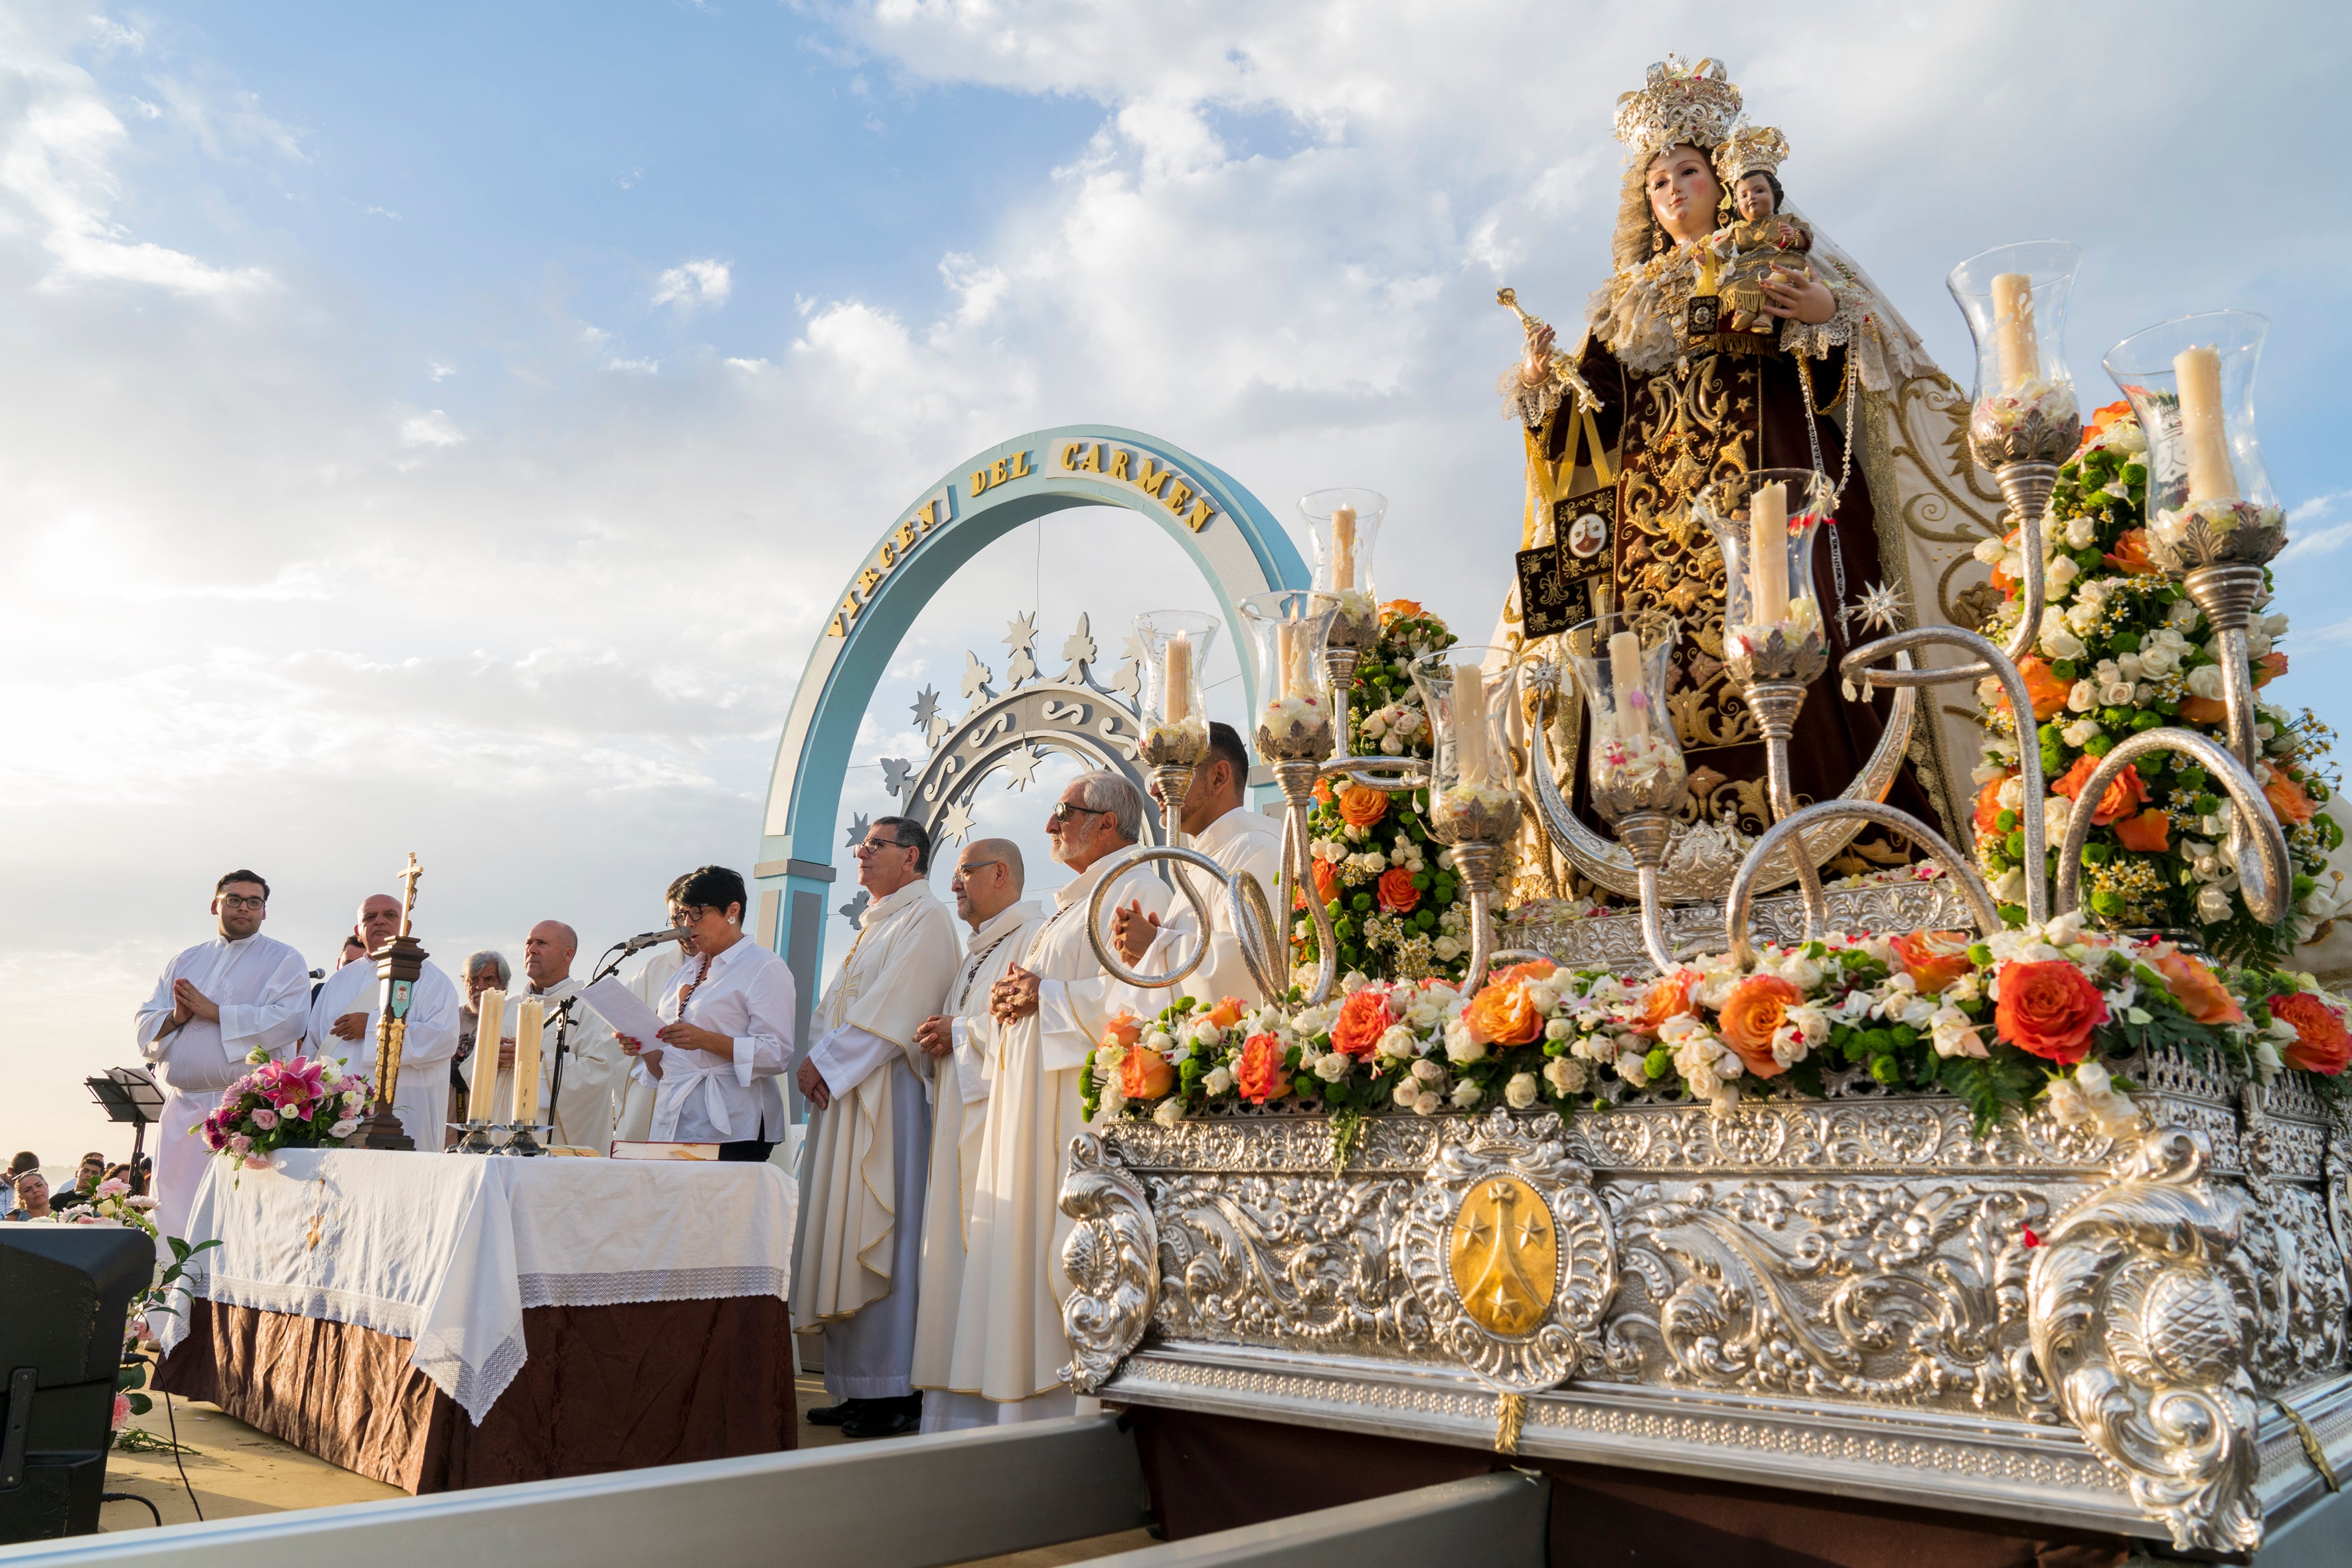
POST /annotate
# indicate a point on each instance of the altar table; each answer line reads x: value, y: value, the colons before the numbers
x: 446, y: 1320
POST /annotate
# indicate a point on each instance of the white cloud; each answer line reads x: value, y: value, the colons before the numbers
x: 694, y: 285
x: 634, y: 367
x: 430, y: 429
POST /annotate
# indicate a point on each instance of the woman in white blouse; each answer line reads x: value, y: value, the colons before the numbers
x: 730, y: 1029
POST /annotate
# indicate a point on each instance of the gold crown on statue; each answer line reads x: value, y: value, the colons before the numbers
x: 1680, y: 102
x: 1750, y: 149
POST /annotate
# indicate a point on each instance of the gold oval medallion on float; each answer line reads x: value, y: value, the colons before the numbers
x: 1505, y: 1256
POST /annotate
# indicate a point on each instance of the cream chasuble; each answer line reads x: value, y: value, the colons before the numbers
x: 895, y: 976
x: 958, y: 1117
x: 1009, y: 1343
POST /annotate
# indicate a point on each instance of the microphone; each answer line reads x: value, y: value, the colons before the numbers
x: 652, y: 939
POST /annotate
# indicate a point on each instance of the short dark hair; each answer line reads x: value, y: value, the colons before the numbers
x: 912, y: 835
x: 1779, y: 197
x: 254, y: 877
x: 26, y: 1160
x: 1226, y: 746
x: 710, y: 887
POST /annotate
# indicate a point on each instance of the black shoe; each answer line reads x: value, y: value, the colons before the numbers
x: 885, y: 1419
x: 834, y: 1414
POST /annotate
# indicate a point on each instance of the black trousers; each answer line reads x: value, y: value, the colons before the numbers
x: 747, y: 1151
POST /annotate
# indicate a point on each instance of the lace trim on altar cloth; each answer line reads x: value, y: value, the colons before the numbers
x: 472, y: 1388
x: 401, y: 1320
x: 652, y: 1285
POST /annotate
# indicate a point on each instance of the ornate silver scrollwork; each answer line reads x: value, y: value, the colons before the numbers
x: 1508, y: 1249
x: 2143, y: 1306
x: 1112, y: 1259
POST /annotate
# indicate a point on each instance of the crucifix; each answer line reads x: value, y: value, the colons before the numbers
x: 408, y: 875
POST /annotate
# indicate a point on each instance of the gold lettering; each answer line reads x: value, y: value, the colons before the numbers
x: 1198, y: 517
x: 905, y: 535
x: 1153, y: 477
x: 933, y: 511
x: 1070, y: 454
x: 1178, y: 494
x: 1092, y: 462
x: 868, y: 581
x: 888, y: 554
x: 1119, y: 456
x: 979, y: 480
x: 835, y: 629
x: 1020, y: 465
x: 996, y: 475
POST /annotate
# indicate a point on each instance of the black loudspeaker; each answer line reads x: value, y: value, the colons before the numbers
x: 65, y: 1296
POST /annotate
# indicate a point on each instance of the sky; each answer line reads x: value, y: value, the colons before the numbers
x: 445, y: 428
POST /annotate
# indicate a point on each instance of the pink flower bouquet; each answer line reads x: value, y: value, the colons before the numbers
x: 301, y: 1103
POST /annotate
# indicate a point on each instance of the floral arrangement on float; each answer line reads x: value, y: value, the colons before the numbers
x: 2123, y: 649
x: 302, y: 1102
x: 1387, y: 883
x: 2032, y: 1014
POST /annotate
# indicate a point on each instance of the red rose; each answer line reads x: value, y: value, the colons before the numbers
x: 2049, y: 1009
x: 2321, y: 1045
x: 1363, y: 1019
x: 1397, y: 893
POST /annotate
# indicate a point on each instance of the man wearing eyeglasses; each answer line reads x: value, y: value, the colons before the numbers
x: 858, y: 1256
x: 217, y: 1003
x: 1216, y: 820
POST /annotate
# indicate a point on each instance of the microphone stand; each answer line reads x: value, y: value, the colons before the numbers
x: 562, y: 1047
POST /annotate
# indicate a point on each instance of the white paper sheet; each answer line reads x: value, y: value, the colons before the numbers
x: 624, y: 1009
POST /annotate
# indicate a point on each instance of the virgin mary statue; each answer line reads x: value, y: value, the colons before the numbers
x: 1665, y: 392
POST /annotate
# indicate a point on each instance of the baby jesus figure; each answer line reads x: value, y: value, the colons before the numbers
x: 1759, y: 243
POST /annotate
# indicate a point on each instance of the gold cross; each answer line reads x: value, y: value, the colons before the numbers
x: 408, y: 875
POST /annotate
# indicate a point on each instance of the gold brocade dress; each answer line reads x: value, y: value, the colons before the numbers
x: 1728, y: 404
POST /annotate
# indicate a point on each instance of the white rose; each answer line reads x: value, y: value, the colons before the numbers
x: 1396, y: 1040
x: 2205, y: 681
x: 2212, y: 905
x: 2057, y: 642
x: 2084, y: 613
x: 1460, y: 1046
x: 1565, y: 1074
x: 2067, y: 1104
x: 2273, y: 626
x: 1169, y: 1112
x: 1427, y: 1105
x: 1428, y: 1072
x: 1406, y: 1093
x: 2082, y: 533
x: 1466, y: 1094
x: 2060, y: 571
x: 1955, y: 1035
x: 2156, y: 663
x: 1204, y: 1033
x: 1161, y: 1040
x: 1558, y: 1029
x: 1520, y: 1091
x: 2012, y: 794
x: 1990, y: 551
x: 1332, y: 1066
x: 2080, y: 730
x: 2082, y: 697
x: 1220, y: 1080
x: 1447, y: 948
x: 2056, y: 810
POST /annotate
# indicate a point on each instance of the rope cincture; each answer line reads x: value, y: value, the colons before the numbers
x: 2313, y: 1449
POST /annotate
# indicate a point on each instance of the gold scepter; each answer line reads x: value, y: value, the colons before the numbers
x: 398, y: 964
x: 1563, y: 373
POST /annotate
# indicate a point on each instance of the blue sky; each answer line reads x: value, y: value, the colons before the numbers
x: 444, y: 428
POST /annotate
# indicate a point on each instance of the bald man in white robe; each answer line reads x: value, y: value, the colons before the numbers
x: 344, y: 1020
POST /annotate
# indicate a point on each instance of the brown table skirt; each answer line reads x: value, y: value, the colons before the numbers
x: 1209, y: 1473
x: 604, y: 1388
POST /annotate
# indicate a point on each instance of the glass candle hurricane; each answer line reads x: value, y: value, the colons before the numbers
x: 1344, y: 523
x: 1465, y: 691
x: 1293, y: 706
x: 1636, y: 763
x: 2192, y: 382
x: 1176, y: 644
x: 2023, y: 408
x: 1764, y: 522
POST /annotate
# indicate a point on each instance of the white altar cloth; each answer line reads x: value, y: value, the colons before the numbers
x: 447, y: 1250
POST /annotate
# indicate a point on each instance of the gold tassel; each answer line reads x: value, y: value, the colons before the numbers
x: 1510, y: 1410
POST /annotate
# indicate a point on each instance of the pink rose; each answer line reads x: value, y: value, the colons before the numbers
x: 112, y: 1189
x: 121, y: 1409
x: 265, y: 1119
x: 240, y: 1145
x: 344, y: 1128
x: 257, y: 1162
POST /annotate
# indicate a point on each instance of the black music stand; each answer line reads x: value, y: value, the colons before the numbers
x: 129, y: 1094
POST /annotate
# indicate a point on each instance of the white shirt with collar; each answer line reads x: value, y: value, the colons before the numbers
x: 745, y: 994
x: 263, y: 992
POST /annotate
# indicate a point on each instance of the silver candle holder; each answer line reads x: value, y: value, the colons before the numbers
x: 1465, y: 690
x: 1637, y: 774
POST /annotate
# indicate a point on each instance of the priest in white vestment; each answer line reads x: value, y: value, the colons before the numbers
x: 1218, y: 823
x: 594, y: 1066
x: 858, y: 1256
x: 988, y: 884
x: 218, y: 1003
x: 1048, y: 1011
x: 343, y: 1019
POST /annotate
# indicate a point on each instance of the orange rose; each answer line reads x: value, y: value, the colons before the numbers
x: 1501, y: 1014
x: 1669, y: 998
x: 1145, y: 1074
x: 1934, y: 959
x: 2049, y: 1009
x: 1259, y: 1074
x: 2151, y: 830
x: 1327, y: 881
x: 2044, y: 690
x: 1227, y: 1012
x: 1533, y: 969
x: 2101, y: 418
x: 2198, y: 989
x: 2002, y: 580
x: 1397, y: 893
x: 2289, y: 798
x: 2125, y: 796
x: 2130, y: 553
x: 2321, y: 1044
x: 1361, y: 808
x: 1323, y: 791
x: 2204, y: 709
x: 1363, y: 1019
x: 1124, y: 1029
x: 2269, y: 668
x: 1399, y: 609
x: 1757, y: 1007
x: 1989, y: 804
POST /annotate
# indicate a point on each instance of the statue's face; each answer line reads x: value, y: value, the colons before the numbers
x: 1682, y: 193
x: 1754, y: 196
x: 1587, y: 536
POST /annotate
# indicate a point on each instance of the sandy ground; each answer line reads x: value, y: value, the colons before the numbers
x: 238, y: 1470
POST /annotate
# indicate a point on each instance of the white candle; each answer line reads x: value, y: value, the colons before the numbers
x: 2212, y: 475
x: 1290, y: 648
x: 1343, y: 548
x: 1178, y: 706
x: 1625, y: 680
x: 2014, y: 340
x: 532, y: 1018
x: 1768, y: 552
x: 1470, y: 723
x: 484, y: 1077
